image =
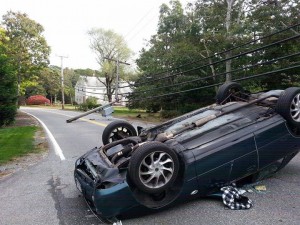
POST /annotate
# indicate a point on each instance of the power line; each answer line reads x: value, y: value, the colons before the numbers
x: 220, y: 61
x: 218, y: 53
x: 147, y: 23
x: 220, y: 74
x: 218, y: 84
x: 143, y: 17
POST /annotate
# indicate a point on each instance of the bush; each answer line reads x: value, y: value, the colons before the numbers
x: 7, y: 114
x: 167, y: 114
x: 8, y: 90
x: 37, y: 100
x: 90, y: 103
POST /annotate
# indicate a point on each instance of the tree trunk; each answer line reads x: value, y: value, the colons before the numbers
x: 71, y: 99
x: 19, y: 85
x: 212, y: 68
x: 228, y: 66
x: 229, y: 53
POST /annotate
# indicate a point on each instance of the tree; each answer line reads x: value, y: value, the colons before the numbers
x: 27, y: 48
x: 8, y: 88
x: 273, y: 16
x: 50, y: 80
x: 170, y: 51
x: 108, y: 44
x: 204, y: 43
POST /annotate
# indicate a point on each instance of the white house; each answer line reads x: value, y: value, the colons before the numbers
x: 93, y: 87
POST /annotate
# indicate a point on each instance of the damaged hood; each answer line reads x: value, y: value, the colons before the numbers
x: 99, y: 169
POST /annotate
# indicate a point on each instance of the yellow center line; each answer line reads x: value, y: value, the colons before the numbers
x: 94, y: 122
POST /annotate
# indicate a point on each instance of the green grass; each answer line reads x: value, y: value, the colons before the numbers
x: 119, y: 111
x: 16, y: 141
x: 124, y: 112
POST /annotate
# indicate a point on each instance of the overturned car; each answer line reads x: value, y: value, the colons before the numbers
x: 243, y: 137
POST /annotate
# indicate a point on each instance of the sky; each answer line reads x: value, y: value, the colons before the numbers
x: 66, y: 23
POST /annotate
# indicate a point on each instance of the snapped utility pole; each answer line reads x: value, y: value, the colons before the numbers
x: 117, y: 75
x: 62, y: 81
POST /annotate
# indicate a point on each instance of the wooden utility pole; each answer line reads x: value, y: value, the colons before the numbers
x: 117, y: 75
x: 62, y: 82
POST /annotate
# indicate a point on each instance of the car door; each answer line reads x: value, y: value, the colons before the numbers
x: 274, y: 141
x: 225, y: 159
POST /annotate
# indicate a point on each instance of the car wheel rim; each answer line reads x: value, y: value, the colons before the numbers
x: 156, y: 169
x: 233, y: 93
x: 295, y: 108
x: 119, y: 133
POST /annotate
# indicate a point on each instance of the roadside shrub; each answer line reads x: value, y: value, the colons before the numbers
x: 90, y: 103
x: 189, y: 107
x: 167, y: 114
x: 7, y: 114
x: 8, y: 90
x: 37, y: 100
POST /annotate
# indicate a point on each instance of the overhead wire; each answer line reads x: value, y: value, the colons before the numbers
x: 218, y: 84
x: 143, y: 17
x: 220, y: 74
x: 235, y: 56
x: 215, y: 54
x: 224, y: 60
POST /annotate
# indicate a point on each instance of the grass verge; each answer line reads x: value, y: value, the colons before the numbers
x: 119, y: 112
x: 136, y: 114
x: 16, y: 141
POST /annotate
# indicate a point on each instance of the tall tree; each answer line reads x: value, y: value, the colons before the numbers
x: 8, y: 94
x: 27, y: 47
x: 107, y: 44
x: 50, y: 80
x: 273, y: 16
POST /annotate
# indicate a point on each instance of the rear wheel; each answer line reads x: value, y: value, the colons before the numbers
x: 153, y: 167
x: 229, y: 92
x: 117, y: 130
x: 288, y: 106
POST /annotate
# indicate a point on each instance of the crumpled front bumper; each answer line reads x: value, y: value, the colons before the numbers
x: 108, y: 202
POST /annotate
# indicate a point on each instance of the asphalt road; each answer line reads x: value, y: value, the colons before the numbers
x: 46, y: 194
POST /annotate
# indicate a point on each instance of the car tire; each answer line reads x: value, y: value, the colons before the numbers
x: 288, y: 106
x: 117, y: 130
x: 153, y: 167
x: 225, y: 90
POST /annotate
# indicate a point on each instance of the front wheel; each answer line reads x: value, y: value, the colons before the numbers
x: 153, y: 167
x: 288, y: 106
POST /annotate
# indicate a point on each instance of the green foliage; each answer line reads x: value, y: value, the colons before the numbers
x: 108, y: 44
x: 16, y: 141
x: 167, y: 114
x: 188, y: 44
x: 8, y: 88
x: 27, y: 47
x: 90, y: 103
x: 7, y: 114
